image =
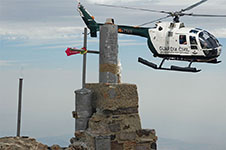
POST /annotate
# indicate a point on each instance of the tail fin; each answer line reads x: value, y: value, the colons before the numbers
x: 89, y: 20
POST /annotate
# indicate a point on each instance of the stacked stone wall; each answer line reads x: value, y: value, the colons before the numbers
x: 115, y: 121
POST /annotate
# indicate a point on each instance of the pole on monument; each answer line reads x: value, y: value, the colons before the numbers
x: 19, y: 107
x: 84, y: 59
x: 108, y: 59
x: 83, y: 97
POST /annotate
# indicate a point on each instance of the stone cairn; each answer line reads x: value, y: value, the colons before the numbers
x: 106, y: 115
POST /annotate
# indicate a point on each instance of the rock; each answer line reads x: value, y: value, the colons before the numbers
x: 143, y: 146
x: 20, y: 143
x: 113, y: 97
x: 103, y: 143
x: 75, y: 114
x: 129, y: 145
x: 114, y: 123
x: 78, y: 146
x: 79, y: 133
x: 73, y: 140
x: 147, y: 135
x: 116, y: 146
x: 120, y: 111
x: 55, y: 147
x: 153, y: 146
x: 114, y: 127
x: 127, y: 136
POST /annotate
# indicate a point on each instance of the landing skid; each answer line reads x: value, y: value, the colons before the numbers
x: 172, y: 68
x: 215, y: 61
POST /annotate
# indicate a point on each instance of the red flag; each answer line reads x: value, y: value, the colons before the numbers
x: 69, y: 52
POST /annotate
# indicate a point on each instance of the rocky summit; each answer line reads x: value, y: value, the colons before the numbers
x: 21, y: 143
x: 27, y: 143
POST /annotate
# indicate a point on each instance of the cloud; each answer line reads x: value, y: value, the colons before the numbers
x: 220, y: 33
x: 113, y: 2
x: 44, y: 32
x: 42, y: 36
x: 26, y: 24
x: 6, y: 63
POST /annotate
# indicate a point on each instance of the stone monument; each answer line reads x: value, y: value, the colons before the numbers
x: 106, y: 113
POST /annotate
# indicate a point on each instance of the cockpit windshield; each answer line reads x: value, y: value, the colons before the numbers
x: 207, y: 40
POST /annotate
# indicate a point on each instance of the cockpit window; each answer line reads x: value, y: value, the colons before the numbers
x: 194, y: 31
x: 207, y: 40
x: 193, y: 42
x: 182, y: 39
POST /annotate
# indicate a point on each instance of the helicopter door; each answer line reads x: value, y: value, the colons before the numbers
x: 183, y: 44
x: 194, y: 44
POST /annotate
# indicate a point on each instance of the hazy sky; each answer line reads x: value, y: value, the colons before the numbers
x: 34, y: 35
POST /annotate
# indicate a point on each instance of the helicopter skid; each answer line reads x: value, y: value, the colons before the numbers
x: 172, y: 68
x: 185, y: 69
x: 215, y: 61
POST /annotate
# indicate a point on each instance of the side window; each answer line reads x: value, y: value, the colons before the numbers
x: 193, y: 42
x: 183, y: 40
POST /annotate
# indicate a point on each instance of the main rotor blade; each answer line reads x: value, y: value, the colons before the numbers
x: 203, y: 15
x: 134, y: 8
x: 155, y: 20
x: 192, y: 6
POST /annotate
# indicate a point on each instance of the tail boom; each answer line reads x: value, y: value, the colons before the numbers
x: 94, y: 26
x: 89, y: 20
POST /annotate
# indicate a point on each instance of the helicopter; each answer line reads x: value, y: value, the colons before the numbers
x: 168, y: 40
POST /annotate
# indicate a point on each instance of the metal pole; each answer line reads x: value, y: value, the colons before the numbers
x: 84, y: 59
x: 19, y: 106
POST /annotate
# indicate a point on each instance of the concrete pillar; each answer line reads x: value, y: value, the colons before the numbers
x: 109, y: 68
x: 83, y: 106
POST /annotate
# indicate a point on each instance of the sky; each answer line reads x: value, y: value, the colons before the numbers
x: 34, y: 35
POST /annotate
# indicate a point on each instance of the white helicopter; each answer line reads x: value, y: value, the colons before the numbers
x: 168, y: 40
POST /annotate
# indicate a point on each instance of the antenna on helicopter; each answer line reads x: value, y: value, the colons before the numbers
x: 175, y: 14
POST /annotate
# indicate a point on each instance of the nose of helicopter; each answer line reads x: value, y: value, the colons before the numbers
x: 219, y: 49
x: 215, y: 52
